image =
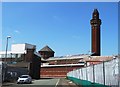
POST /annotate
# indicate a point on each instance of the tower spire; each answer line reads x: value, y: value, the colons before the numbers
x: 95, y: 11
x: 95, y: 25
x: 95, y: 14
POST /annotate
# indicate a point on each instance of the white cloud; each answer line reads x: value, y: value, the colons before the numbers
x: 16, y: 31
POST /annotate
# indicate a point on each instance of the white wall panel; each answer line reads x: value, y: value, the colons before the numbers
x: 109, y: 76
x: 90, y: 73
x: 84, y: 73
x: 98, y: 69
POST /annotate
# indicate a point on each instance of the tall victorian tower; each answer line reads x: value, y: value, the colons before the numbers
x: 95, y: 25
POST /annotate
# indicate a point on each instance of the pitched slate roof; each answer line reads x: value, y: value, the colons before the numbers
x: 47, y: 48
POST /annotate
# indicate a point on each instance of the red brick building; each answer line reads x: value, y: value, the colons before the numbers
x: 46, y: 52
x: 57, y: 71
x: 55, y: 67
x: 23, y: 55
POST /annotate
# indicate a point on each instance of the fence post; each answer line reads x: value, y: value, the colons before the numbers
x: 104, y: 72
x: 86, y: 74
x: 81, y: 73
x: 93, y: 74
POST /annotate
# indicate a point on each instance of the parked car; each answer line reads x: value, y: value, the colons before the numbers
x: 24, y: 79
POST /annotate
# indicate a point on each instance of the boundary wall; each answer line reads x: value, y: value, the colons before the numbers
x: 105, y: 73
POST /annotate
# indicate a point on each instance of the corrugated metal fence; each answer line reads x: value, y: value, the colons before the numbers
x: 105, y: 73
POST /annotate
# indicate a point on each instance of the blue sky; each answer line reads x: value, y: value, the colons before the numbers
x: 63, y: 26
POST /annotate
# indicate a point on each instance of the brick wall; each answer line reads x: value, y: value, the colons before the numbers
x: 29, y: 55
x: 54, y: 72
x: 46, y: 54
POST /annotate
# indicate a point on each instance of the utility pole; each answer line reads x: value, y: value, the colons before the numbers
x: 6, y: 49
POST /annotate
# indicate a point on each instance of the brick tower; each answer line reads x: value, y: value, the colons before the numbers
x: 95, y: 25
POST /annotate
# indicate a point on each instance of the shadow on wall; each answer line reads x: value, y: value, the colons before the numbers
x: 14, y: 72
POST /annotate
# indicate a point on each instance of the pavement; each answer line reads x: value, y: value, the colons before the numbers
x: 58, y: 82
x: 66, y: 83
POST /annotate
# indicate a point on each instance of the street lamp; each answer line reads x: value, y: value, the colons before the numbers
x: 6, y: 48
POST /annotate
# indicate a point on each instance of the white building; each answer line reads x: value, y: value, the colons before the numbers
x: 17, y: 49
x: 19, y: 52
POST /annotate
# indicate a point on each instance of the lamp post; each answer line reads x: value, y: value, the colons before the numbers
x: 6, y: 48
x: 11, y: 57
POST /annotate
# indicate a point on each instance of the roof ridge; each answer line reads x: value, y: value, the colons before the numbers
x: 46, y: 48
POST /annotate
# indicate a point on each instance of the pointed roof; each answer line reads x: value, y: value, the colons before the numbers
x: 47, y: 48
x: 95, y: 14
x: 95, y: 11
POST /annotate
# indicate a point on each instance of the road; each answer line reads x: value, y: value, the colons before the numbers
x: 42, y: 82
